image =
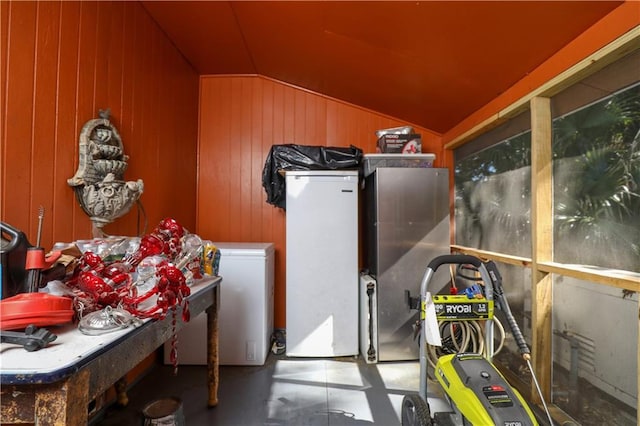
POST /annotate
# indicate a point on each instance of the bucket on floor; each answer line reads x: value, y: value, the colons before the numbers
x: 164, y: 412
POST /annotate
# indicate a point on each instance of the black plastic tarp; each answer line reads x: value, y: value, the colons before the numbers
x: 303, y: 157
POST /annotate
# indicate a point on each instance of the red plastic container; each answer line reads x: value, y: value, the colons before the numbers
x: 39, y: 309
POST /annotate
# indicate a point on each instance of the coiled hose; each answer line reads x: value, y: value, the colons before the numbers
x: 463, y: 337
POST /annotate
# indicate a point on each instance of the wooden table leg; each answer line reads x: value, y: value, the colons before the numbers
x: 212, y: 349
x: 63, y: 403
x: 121, y: 392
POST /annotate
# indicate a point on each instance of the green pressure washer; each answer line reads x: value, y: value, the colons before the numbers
x: 476, y: 393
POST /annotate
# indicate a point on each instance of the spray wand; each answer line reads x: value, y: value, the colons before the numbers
x: 498, y: 293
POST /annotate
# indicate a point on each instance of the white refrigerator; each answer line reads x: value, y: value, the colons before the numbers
x: 245, y: 313
x: 322, y: 263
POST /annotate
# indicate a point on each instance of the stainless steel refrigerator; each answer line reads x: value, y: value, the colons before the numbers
x: 406, y: 225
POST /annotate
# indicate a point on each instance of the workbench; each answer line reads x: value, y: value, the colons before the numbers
x: 54, y: 385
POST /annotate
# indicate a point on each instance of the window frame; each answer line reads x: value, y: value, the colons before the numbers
x: 541, y: 263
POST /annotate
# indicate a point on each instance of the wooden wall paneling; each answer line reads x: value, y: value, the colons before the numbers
x: 266, y: 111
x: 43, y: 121
x: 142, y: 145
x: 145, y: 150
x: 321, y: 119
x: 241, y: 118
x: 209, y: 216
x: 128, y: 65
x: 19, y: 100
x: 104, y: 52
x: 165, y: 196
x: 154, y: 164
x: 141, y: 157
x: 64, y: 211
x: 109, y: 80
x: 299, y: 117
x: 85, y: 100
x: 363, y: 134
x: 288, y: 107
x: 120, y: 96
x: 258, y: 156
x: 244, y: 149
x: 249, y: 148
x: 225, y: 160
x: 341, y: 123
x: 179, y: 150
x: 234, y: 178
x: 237, y: 152
x: 183, y: 138
x: 168, y: 129
x: 213, y: 161
x: 115, y: 61
x: 221, y: 147
x: 64, y: 61
x: 4, y: 39
x: 331, y: 123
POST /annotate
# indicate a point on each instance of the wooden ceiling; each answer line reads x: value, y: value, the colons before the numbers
x: 429, y: 63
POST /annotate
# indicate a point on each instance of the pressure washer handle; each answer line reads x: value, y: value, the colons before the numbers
x: 456, y: 259
x: 498, y: 294
x: 513, y: 325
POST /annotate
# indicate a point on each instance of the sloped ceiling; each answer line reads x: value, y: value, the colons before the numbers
x: 431, y: 63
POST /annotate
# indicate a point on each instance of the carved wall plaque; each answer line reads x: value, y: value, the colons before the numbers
x: 99, y: 182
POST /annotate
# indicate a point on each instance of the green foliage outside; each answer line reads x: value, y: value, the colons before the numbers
x: 596, y: 169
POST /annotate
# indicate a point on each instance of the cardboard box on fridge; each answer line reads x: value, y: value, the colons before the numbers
x: 400, y: 144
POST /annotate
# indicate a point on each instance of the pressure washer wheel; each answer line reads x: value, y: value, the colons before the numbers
x: 415, y: 411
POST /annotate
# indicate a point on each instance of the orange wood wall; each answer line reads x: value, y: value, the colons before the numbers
x: 61, y: 62
x: 241, y: 117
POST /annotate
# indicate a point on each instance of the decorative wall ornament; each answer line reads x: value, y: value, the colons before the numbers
x: 99, y: 181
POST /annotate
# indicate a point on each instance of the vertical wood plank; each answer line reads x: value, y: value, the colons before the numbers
x: 85, y: 100
x: 258, y: 155
x: 244, y: 147
x: 126, y: 89
x: 19, y: 93
x: 222, y: 145
x: 541, y: 236
x: 4, y: 40
x: 44, y: 117
x: 266, y: 135
x: 104, y: 52
x: 235, y: 159
x: 65, y: 211
x: 115, y: 61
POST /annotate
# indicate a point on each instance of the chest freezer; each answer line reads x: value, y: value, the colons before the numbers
x: 245, y: 313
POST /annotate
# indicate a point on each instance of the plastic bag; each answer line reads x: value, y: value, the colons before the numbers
x: 303, y: 157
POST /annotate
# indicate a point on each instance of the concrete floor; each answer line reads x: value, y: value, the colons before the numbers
x: 284, y: 392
